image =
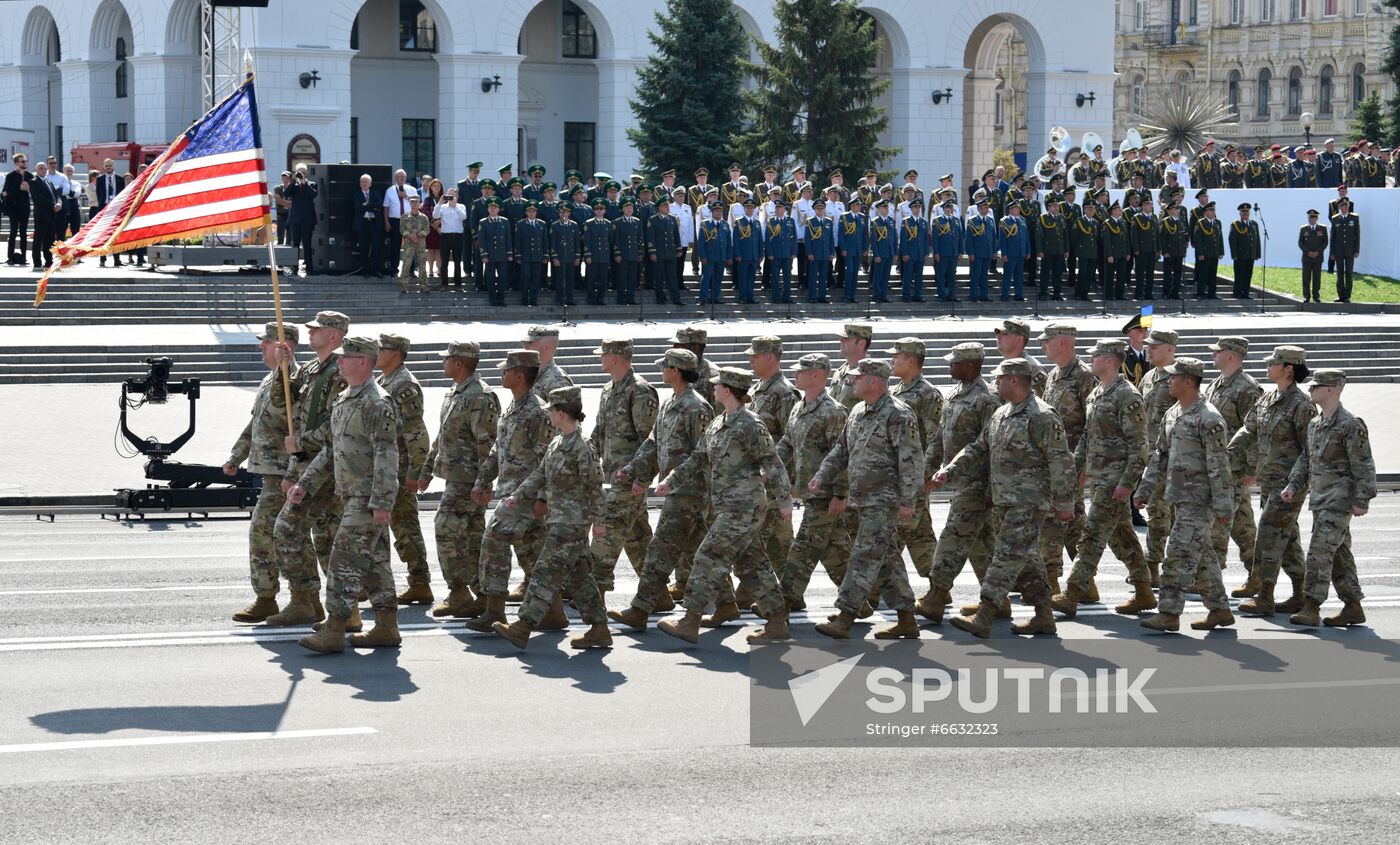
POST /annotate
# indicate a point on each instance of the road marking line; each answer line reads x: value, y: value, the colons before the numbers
x: 91, y: 590
x: 105, y: 558
x: 179, y: 740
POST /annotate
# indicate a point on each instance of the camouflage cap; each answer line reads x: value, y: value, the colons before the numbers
x: 1158, y: 337
x: 462, y: 349
x: 690, y: 335
x: 855, y: 330
x: 1014, y: 325
x: 911, y: 345
x: 681, y: 359
x: 1186, y: 367
x: 1058, y: 330
x: 615, y: 346
x: 1110, y: 346
x: 1232, y: 344
x: 330, y: 320
x: 359, y: 345
x: 813, y: 361
x: 873, y: 367
x: 570, y: 395
x: 289, y: 331
x: 765, y: 343
x: 540, y: 332
x: 520, y: 358
x: 1013, y: 367
x: 1288, y: 355
x: 967, y: 352
x: 396, y: 342
x: 734, y: 377
x: 1329, y: 378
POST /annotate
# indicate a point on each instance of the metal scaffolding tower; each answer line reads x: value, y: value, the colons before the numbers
x: 221, y: 51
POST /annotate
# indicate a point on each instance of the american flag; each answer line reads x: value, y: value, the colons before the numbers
x: 211, y: 179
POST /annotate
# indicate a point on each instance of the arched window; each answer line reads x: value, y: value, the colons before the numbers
x: 580, y: 40
x: 1183, y: 83
x: 1295, y: 91
x: 1324, y: 91
x: 1137, y: 94
x: 1232, y: 92
x: 121, y: 69
x: 1358, y: 86
x: 1261, y: 94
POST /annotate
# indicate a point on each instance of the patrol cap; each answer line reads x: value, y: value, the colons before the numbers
x: 855, y: 330
x: 911, y: 345
x: 1186, y: 367
x: 396, y: 342
x: 359, y: 346
x: 1013, y: 367
x: 414, y: 198
x: 765, y: 343
x: 1287, y: 355
x: 570, y: 395
x: 681, y: 359
x: 733, y: 377
x: 520, y: 358
x: 1161, y: 336
x: 1014, y: 325
x: 1058, y: 330
x: 971, y: 351
x: 289, y: 330
x: 540, y: 332
x: 689, y: 334
x: 1109, y: 346
x: 1328, y: 378
x: 462, y: 349
x: 873, y: 367
x: 615, y: 346
x: 1231, y: 344
x: 813, y: 361
x: 330, y: 320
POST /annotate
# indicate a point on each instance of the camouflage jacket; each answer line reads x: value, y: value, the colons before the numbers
x: 363, y: 456
x: 1233, y: 396
x: 1158, y: 399
x: 261, y: 444
x: 551, y: 377
x: 680, y: 426
x: 728, y: 460
x: 1189, y: 465
x: 879, y: 452
x: 413, y: 228
x: 843, y: 385
x: 1024, y: 456
x: 1274, y: 434
x: 407, y: 396
x: 704, y: 387
x: 772, y: 402
x: 1067, y: 391
x: 626, y: 414
x: 1337, y: 470
x: 812, y: 430
x: 1111, y: 452
x: 925, y: 402
x: 523, y: 434
x: 966, y: 413
x: 569, y: 481
x: 465, y: 435
x: 315, y: 386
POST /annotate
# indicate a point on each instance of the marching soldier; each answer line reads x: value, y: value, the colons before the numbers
x: 1156, y: 394
x: 1244, y: 250
x: 598, y: 251
x: 1012, y: 336
x: 544, y: 341
x: 926, y: 403
x: 1346, y: 246
x: 1067, y: 389
x: 1209, y: 243
x: 1234, y: 393
x: 695, y: 339
x: 855, y: 344
x: 1312, y: 242
x: 773, y: 399
x: 406, y: 395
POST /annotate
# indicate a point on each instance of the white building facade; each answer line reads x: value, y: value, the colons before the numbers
x: 431, y: 85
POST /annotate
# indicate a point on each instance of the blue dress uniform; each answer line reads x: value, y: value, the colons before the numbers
x: 747, y: 251
x: 913, y: 251
x: 663, y: 246
x: 980, y: 245
x: 714, y: 244
x: 1014, y: 241
x: 946, y: 231
x: 853, y: 240
x: 494, y: 236
x: 780, y: 245
x: 884, y: 246
x: 565, y: 253
x: 597, y: 251
x: 821, y: 245
x: 474, y: 218
x: 531, y: 253
x: 629, y: 251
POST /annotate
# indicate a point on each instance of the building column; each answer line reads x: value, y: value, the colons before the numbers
x: 474, y: 125
x: 979, y: 128
x: 26, y: 86
x: 617, y: 80
x: 167, y: 95
x: 285, y: 109
x: 85, y: 105
x: 1050, y: 101
x: 929, y: 135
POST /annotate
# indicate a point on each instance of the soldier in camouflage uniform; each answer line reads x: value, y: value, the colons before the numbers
x: 813, y: 428
x: 774, y: 397
x: 1012, y: 337
x: 361, y: 459
x: 1233, y: 393
x: 926, y: 403
x: 1156, y: 394
x: 968, y: 532
x: 1110, y: 456
x: 626, y: 414
x: 1030, y: 471
x: 312, y: 523
x: 1067, y: 389
x: 568, y: 485
x: 855, y: 345
x: 680, y: 426
x: 523, y: 433
x: 736, y: 461
x: 1268, y: 444
x: 407, y: 395
x: 466, y: 435
x: 263, y: 445
x: 694, y: 340
x: 544, y: 340
x: 879, y: 452
x: 1340, y: 477
x: 1190, y: 469
x: 414, y: 231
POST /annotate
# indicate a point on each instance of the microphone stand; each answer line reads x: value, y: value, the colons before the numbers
x: 953, y: 300
x: 1264, y: 279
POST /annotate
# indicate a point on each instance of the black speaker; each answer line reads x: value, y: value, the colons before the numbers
x: 262, y: 4
x: 336, y: 184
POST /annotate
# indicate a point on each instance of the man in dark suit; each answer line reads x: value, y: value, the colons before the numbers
x: 109, y: 184
x: 468, y: 192
x: 1346, y: 246
x: 48, y: 210
x: 369, y: 227
x: 14, y: 201
x: 1312, y: 240
x: 301, y: 216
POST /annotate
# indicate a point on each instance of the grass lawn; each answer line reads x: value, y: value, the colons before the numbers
x: 1289, y: 280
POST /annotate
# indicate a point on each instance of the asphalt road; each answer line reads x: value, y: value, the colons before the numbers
x: 133, y: 710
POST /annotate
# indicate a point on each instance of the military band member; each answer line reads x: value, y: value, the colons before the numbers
x: 1143, y: 230
x: 980, y: 245
x: 747, y: 250
x: 852, y: 241
x: 1173, y: 239
x: 780, y: 247
x: 821, y: 247
x: 913, y: 252
x: 714, y: 244
x: 1209, y: 244
x: 1084, y: 247
x: 1312, y: 242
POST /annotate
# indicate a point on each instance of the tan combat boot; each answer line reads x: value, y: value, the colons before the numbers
x: 416, y: 594
x: 794, y: 605
x: 384, y: 634
x: 866, y: 611
x: 517, y: 595
x: 727, y: 612
x: 301, y: 610
x: 1351, y: 614
x: 495, y: 612
x: 1222, y: 618
x: 1248, y: 589
x: 597, y: 636
x: 677, y: 590
x: 1004, y: 612
x: 1143, y: 599
x: 329, y: 640
x: 1043, y: 622
x: 905, y: 628
x: 931, y: 605
x: 554, y: 619
x: 1068, y: 601
x: 1309, y: 616
x: 776, y: 630
x: 838, y: 627
x: 316, y: 604
x: 353, y: 625
x: 1262, y: 604
x: 258, y: 611
x: 688, y: 628
x: 1054, y: 581
x: 1162, y: 622
x: 457, y: 605
x: 633, y: 617
x: 743, y: 597
x: 1155, y: 567
x: 518, y: 632
x: 1294, y: 602
x: 362, y: 597
x: 664, y: 604
x: 980, y: 624
x: 1091, y: 596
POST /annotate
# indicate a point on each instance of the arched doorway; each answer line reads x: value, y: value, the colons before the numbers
x: 113, y: 91
x: 560, y: 43
x: 176, y: 73
x: 394, y: 99
x: 40, y: 47
x: 998, y: 95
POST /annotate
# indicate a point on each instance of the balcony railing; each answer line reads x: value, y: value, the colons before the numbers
x: 1165, y: 35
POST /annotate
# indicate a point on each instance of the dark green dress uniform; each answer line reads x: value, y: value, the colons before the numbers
x: 1312, y: 238
x: 1346, y: 244
x: 1142, y: 240
x: 1172, y: 239
x: 629, y: 251
x: 1084, y: 246
x: 1030, y: 212
x: 1256, y: 173
x: 1209, y: 243
x: 1052, y: 234
x: 531, y: 254
x: 597, y: 254
x: 1113, y: 234
x: 513, y: 209
x: 1244, y: 251
x: 565, y: 247
x: 495, y: 236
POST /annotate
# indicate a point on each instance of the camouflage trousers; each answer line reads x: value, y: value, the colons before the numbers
x: 1330, y: 561
x: 777, y: 539
x: 1109, y: 523
x: 679, y: 533
x: 1017, y: 557
x: 564, y: 563
x: 625, y: 517
x: 303, y: 534
x: 262, y: 546
x: 1057, y: 537
x: 1191, y: 553
x: 1278, y: 543
x: 1159, y: 525
x: 458, y: 526
x: 408, y: 534
x: 820, y: 537
x: 917, y: 536
x: 733, y: 542
x: 1241, y: 530
x: 684, y: 562
x: 508, y: 528
x: 414, y: 257
x: 968, y: 533
x: 876, y: 560
x: 359, y: 560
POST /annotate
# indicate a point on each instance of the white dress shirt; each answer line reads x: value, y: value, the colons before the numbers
x: 394, y: 205
x: 685, y: 222
x: 453, y: 218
